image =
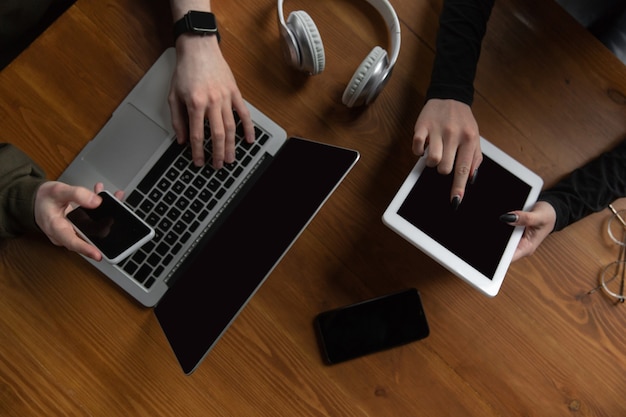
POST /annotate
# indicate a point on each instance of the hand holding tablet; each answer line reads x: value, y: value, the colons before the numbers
x: 470, y: 241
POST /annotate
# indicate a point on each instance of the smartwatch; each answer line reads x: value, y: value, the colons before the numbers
x: 198, y: 23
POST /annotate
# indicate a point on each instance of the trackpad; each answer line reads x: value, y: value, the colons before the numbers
x: 124, y: 145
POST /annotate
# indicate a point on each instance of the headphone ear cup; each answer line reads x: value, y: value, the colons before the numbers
x: 364, y: 76
x: 309, y: 42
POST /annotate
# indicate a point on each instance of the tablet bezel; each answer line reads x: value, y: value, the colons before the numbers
x: 449, y: 260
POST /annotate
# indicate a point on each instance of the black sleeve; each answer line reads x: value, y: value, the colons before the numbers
x: 590, y: 188
x: 462, y: 26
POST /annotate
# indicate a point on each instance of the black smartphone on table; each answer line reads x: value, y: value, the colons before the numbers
x: 111, y: 227
x: 370, y: 326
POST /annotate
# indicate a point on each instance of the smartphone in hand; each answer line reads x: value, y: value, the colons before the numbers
x: 371, y: 326
x: 111, y: 227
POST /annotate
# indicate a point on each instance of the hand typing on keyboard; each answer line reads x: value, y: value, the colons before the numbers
x: 203, y: 87
x: 180, y: 201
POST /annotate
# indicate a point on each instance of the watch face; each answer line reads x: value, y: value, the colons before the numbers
x: 202, y: 21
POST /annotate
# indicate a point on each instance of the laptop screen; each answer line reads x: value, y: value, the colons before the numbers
x: 231, y: 266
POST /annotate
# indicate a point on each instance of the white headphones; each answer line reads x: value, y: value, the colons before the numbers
x: 302, y: 46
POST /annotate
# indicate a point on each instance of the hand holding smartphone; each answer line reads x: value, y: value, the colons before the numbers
x: 111, y: 227
x: 371, y: 326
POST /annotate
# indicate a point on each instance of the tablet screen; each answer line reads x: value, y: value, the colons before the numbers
x: 473, y: 231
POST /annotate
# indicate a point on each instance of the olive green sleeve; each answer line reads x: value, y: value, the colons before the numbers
x: 20, y: 179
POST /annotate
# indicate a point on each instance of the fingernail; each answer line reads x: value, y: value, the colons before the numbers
x: 509, y: 218
x: 474, y: 175
x: 198, y: 162
x: 456, y: 202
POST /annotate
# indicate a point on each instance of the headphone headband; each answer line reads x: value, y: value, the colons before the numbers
x: 386, y: 11
x: 303, y: 48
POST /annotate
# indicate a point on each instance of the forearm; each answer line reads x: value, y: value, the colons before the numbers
x: 181, y: 7
x: 20, y: 178
x: 590, y: 188
x: 462, y: 26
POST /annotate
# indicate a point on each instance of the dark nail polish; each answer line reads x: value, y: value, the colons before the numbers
x: 508, y: 218
x: 456, y: 202
x: 474, y: 175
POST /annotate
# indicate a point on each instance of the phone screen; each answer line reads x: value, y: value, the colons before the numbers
x: 111, y: 227
x: 371, y: 326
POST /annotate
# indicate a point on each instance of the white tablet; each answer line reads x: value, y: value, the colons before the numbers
x: 471, y: 241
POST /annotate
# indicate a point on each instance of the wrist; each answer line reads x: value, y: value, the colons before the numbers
x: 193, y: 43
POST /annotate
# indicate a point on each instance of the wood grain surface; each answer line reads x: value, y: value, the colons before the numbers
x: 547, y: 92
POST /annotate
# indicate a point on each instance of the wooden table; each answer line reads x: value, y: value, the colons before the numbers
x: 549, y: 94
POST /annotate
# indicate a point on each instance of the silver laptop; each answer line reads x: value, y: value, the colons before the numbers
x: 219, y: 233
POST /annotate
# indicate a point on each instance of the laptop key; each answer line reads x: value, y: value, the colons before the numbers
x: 191, y: 193
x: 179, y: 227
x: 255, y: 149
x: 167, y: 260
x: 139, y: 257
x: 148, y: 246
x: 146, y: 206
x: 187, y: 217
x: 199, y: 182
x: 186, y: 177
x: 149, y: 283
x: 181, y: 163
x: 157, y: 272
x: 130, y: 267
x: 205, y: 195
x: 213, y: 185
x: 172, y: 174
x: 221, y: 175
x: 170, y: 197
x: 134, y: 199
x: 165, y: 224
x: 155, y: 195
x: 173, y: 214
x: 207, y: 171
x: 155, y: 173
x: 162, y: 249
x: 178, y: 187
x: 154, y: 259
x: 161, y: 209
x: 171, y: 238
x: 196, y: 206
x: 143, y: 273
x: 164, y: 184
x: 182, y: 203
x: 152, y: 220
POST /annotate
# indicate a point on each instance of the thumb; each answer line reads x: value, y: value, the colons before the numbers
x: 519, y: 218
x: 81, y: 196
x: 524, y: 218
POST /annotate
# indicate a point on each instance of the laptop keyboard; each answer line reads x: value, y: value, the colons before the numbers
x: 176, y: 197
